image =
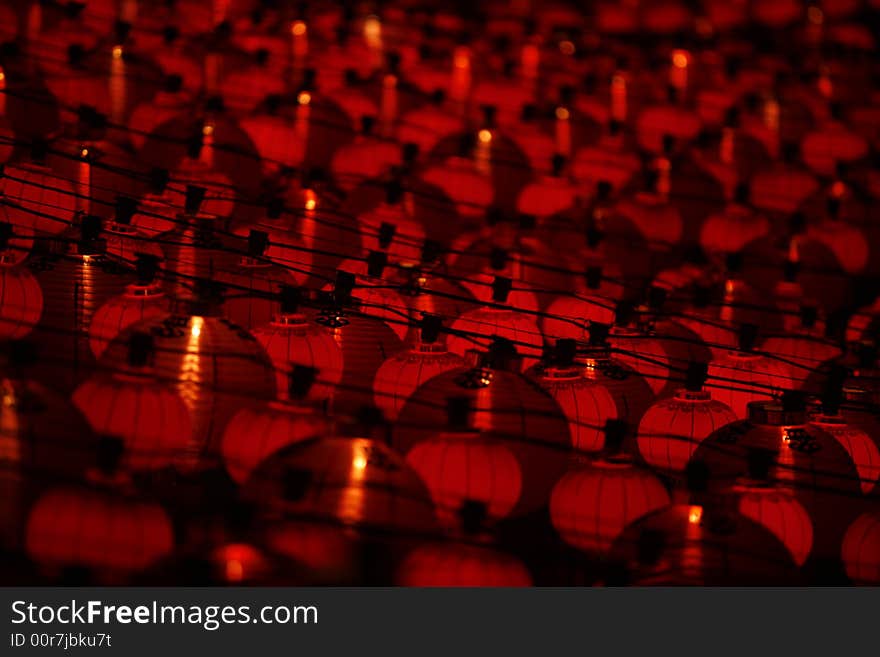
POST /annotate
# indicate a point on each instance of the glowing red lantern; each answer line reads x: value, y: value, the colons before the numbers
x: 549, y: 195
x: 832, y: 143
x: 806, y: 461
x: 656, y: 122
x: 391, y: 227
x: 858, y: 443
x: 329, y: 551
x: 357, y: 482
x: 21, y: 300
x: 861, y: 549
x: 782, y: 188
x: 460, y: 465
x: 689, y: 545
x: 609, y: 160
x: 586, y: 405
x: 461, y: 180
x: 403, y: 373
x: 215, y: 366
x: 460, y: 564
x: 745, y: 376
x: 140, y: 300
x: 650, y: 217
x: 672, y: 429
x: 148, y: 416
x: 38, y: 199
x: 252, y: 285
x: 292, y: 340
x: 569, y: 316
x: 638, y: 349
x: 593, y: 503
x: 774, y: 507
x: 256, y: 432
x: 110, y: 534
x: 365, y: 158
x: 733, y: 228
x: 803, y: 348
x: 498, y: 394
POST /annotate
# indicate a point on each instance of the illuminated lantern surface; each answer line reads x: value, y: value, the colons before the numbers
x: 477, y: 328
x: 356, y: 482
x: 460, y: 465
x: 405, y: 246
x: 293, y: 340
x: 587, y: 405
x: 499, y: 397
x: 592, y: 504
x: 328, y: 551
x: 861, y: 549
x: 214, y: 366
x: 21, y: 301
x: 742, y: 377
x: 731, y: 229
x: 672, y: 429
x: 364, y: 158
x: 256, y: 432
x: 96, y: 529
x: 403, y: 373
x: 38, y: 199
x: 858, y: 444
x: 808, y: 462
x: 460, y: 564
x: 252, y: 287
x: 643, y: 354
x: 137, y: 303
x: 689, y: 545
x: 148, y: 416
x: 463, y: 183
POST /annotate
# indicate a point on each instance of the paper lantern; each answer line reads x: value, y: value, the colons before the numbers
x: 293, y: 340
x: 830, y: 144
x: 649, y: 217
x: 689, y: 545
x: 353, y: 482
x: 861, y: 547
x: 460, y: 564
x: 592, y: 504
x: 256, y: 432
x: 731, y: 229
x: 402, y: 374
x: 642, y: 353
x: 103, y: 531
x: 38, y: 199
x: 808, y: 462
x: 743, y: 376
x: 609, y: 160
x: 499, y: 397
x: 365, y: 158
x: 75, y: 285
x: 139, y: 301
x: 21, y: 301
x: 390, y: 227
x: 672, y: 429
x: 656, y: 122
x: 569, y: 316
x: 460, y: 180
x: 861, y: 448
x: 587, y: 405
x: 148, y: 416
x: 215, y: 366
x: 477, y: 328
x: 328, y: 551
x: 156, y: 215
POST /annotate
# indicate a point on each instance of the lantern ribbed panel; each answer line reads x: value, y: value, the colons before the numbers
x: 740, y: 378
x: 149, y: 417
x: 458, y: 468
x: 21, y: 302
x: 591, y: 505
x: 291, y: 342
x: 403, y: 373
x: 256, y: 432
x: 671, y: 429
x: 781, y: 513
x: 480, y: 326
x: 136, y: 304
x: 38, y: 199
x: 861, y: 549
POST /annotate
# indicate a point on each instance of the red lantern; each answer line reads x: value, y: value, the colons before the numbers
x: 460, y: 564
x: 106, y: 532
x: 460, y: 180
x: 651, y: 217
x: 547, y: 196
x: 570, y: 316
x: 858, y: 444
x: 733, y: 228
x: 861, y: 549
x: 21, y: 300
x: 672, y: 429
x: 402, y: 374
x: 140, y: 301
x: 148, y: 416
x: 774, y: 507
x: 391, y: 227
x: 156, y: 215
x: 587, y: 405
x: 38, y: 199
x: 255, y: 433
x: 656, y: 122
x: 461, y: 466
x: 476, y: 329
x: 593, y: 503
x: 354, y: 482
x: 609, y: 160
x: 215, y: 366
x: 782, y: 188
x: 292, y: 340
x: 744, y: 376
x: 366, y: 158
x: 642, y: 353
x: 806, y: 461
x: 689, y: 545
x: 831, y: 144
x: 498, y: 396
x: 329, y: 551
